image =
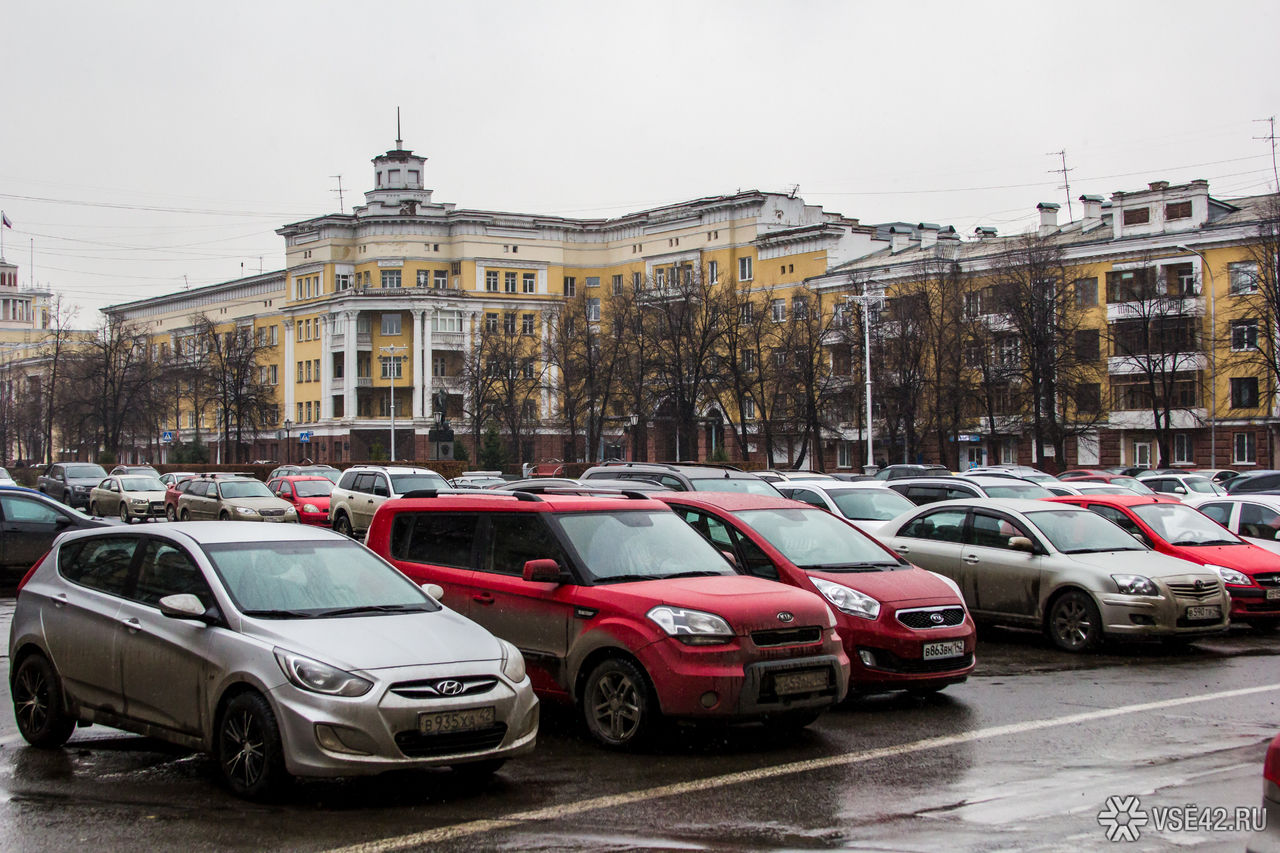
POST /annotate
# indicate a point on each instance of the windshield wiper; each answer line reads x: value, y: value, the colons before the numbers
x: 279, y: 614
x: 701, y: 573
x: 373, y: 608
x: 850, y: 567
x: 1199, y: 542
x: 1099, y: 550
x: 629, y: 578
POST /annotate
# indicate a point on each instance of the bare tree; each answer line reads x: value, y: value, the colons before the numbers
x: 231, y: 361
x: 586, y: 347
x: 1254, y: 284
x: 807, y: 369
x: 61, y: 316
x: 516, y: 370
x: 478, y: 384
x: 899, y: 372
x: 113, y: 375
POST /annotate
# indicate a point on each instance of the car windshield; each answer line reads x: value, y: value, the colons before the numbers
x: 1074, y: 531
x: 312, y: 488
x: 333, y: 475
x: 244, y: 489
x: 815, y: 539
x: 83, y: 472
x: 1100, y: 489
x: 640, y: 545
x: 1181, y: 525
x: 870, y: 504
x: 1203, y: 486
x: 141, y: 484
x: 296, y: 580
x: 403, y: 483
x: 1133, y: 484
x: 749, y: 485
x: 1017, y: 490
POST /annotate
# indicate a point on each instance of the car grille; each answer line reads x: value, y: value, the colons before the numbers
x: 787, y: 636
x: 270, y: 513
x: 417, y: 745
x: 442, y: 688
x: 1208, y: 589
x: 157, y: 507
x: 1267, y: 579
x: 891, y: 662
x: 923, y: 618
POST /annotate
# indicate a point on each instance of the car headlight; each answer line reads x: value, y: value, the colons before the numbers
x: 139, y: 501
x: 320, y: 677
x: 244, y: 510
x: 310, y: 508
x: 848, y: 600
x: 1135, y: 585
x: 1231, y: 576
x: 81, y: 489
x: 691, y: 627
x: 512, y: 662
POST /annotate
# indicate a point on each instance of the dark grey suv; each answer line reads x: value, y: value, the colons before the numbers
x: 70, y: 482
x: 682, y: 478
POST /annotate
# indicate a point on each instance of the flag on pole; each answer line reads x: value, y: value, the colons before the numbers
x: 5, y: 220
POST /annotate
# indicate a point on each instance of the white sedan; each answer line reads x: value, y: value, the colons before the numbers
x: 1255, y: 518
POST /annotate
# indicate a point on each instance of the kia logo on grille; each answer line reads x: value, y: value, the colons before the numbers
x: 450, y: 687
x: 784, y: 616
x: 936, y: 618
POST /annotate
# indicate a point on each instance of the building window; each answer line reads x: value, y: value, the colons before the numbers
x: 300, y: 418
x: 1177, y: 210
x: 593, y: 310
x: 1245, y: 451
x: 1182, y: 448
x: 713, y: 271
x: 778, y: 310
x: 748, y: 361
x: 1131, y: 285
x: 617, y: 284
x: 491, y: 281
x: 570, y: 286
x: 440, y: 279
x: 1086, y: 292
x: 1087, y: 345
x: 308, y: 371
x: 390, y: 324
x: 844, y: 454
x: 275, y: 374
x: 342, y: 281
x: 637, y: 281
x: 437, y: 365
x: 446, y: 321
x: 308, y: 411
x: 1244, y: 392
x: 1088, y: 397
x: 1244, y: 277
x: 526, y: 324
x: 746, y: 312
x: 660, y: 277
x: 748, y: 409
x: 424, y: 278
x: 1180, y: 280
x: 392, y: 366
x: 1244, y: 335
x: 509, y: 323
x: 299, y: 371
x: 391, y: 278
x: 317, y: 366
x: 275, y: 336
x: 593, y: 281
x: 1137, y: 216
x: 799, y: 307
x: 526, y: 369
x: 744, y: 269
x: 509, y: 282
x: 529, y: 283
x: 491, y: 321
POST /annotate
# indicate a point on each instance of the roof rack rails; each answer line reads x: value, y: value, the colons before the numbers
x: 669, y: 466
x: 532, y: 492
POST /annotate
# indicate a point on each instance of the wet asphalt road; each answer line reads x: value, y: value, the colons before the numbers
x: 1021, y: 757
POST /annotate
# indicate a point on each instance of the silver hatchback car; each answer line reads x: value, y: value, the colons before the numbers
x: 299, y: 653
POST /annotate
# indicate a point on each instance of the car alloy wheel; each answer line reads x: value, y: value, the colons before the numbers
x: 37, y: 704
x: 186, y: 515
x: 1074, y: 622
x: 93, y: 509
x: 342, y: 525
x: 249, y: 749
x: 124, y: 512
x: 170, y: 513
x: 616, y: 703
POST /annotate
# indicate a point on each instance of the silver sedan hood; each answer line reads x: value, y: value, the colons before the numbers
x: 380, y: 641
x: 1150, y: 564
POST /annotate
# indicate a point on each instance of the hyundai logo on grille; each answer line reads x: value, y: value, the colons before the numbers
x: 784, y: 616
x: 450, y: 687
x: 936, y: 618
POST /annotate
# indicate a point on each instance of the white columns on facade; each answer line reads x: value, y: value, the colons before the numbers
x: 418, y: 373
x: 290, y: 370
x: 349, y: 365
x: 326, y: 367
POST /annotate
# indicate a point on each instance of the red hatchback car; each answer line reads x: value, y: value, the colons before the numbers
x: 309, y: 495
x: 903, y: 628
x: 621, y: 608
x: 1250, y: 574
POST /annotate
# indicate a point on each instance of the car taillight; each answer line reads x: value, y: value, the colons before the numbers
x: 31, y: 571
x: 1271, y: 769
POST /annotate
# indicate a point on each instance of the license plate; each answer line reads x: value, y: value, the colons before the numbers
x: 952, y: 649
x: 1204, y: 612
x: 273, y: 518
x: 1273, y: 594
x: 444, y: 722
x: 799, y: 682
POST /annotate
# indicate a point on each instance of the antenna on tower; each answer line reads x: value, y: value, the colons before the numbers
x: 1271, y: 137
x: 795, y: 188
x: 398, y: 141
x: 1066, y: 183
x: 186, y: 285
x: 341, y: 208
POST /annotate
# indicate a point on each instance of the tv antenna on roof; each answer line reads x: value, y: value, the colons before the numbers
x: 1066, y: 184
x: 341, y: 208
x: 399, y: 144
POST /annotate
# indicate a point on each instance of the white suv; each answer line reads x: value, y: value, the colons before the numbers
x: 363, y: 488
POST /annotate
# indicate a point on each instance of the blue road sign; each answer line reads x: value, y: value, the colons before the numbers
x: 167, y: 437
x: 304, y: 437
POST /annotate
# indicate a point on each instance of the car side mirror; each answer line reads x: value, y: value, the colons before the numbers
x: 434, y: 590
x: 63, y: 522
x: 187, y: 606
x: 731, y: 557
x: 542, y: 571
x: 1146, y: 543
x: 1179, y: 490
x: 1021, y: 543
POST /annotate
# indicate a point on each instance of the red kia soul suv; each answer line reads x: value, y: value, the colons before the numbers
x: 621, y: 608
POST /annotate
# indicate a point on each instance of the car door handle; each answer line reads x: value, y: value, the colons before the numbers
x: 60, y: 600
x: 971, y: 559
x: 131, y: 623
x: 901, y: 549
x: 483, y: 598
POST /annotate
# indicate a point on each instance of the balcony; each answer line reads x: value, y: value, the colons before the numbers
x: 364, y: 381
x: 1168, y: 307
x: 1170, y: 363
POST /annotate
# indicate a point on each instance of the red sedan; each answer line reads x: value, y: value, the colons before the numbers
x: 1251, y: 574
x: 903, y: 628
x: 309, y: 495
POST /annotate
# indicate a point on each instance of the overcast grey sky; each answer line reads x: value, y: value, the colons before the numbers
x: 145, y: 142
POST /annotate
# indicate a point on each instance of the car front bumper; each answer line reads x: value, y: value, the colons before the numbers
x: 381, y: 728
x: 1160, y: 616
x: 1251, y: 604
x: 885, y: 654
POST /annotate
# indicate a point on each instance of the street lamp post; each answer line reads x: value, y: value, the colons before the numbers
x: 866, y: 299
x: 288, y: 447
x: 1213, y: 355
x: 391, y: 367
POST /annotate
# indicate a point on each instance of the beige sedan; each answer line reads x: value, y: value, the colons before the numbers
x: 1046, y: 566
x: 232, y: 499
x: 128, y: 496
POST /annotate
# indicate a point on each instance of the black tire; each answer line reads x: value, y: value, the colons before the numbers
x: 124, y: 512
x: 38, y: 704
x: 478, y: 771
x: 170, y: 512
x: 342, y: 524
x: 249, y: 751
x: 224, y: 516
x: 1074, y: 624
x: 618, y: 704
x: 186, y: 514
x: 93, y: 509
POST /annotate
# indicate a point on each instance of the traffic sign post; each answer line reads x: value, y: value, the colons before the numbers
x: 304, y: 437
x: 166, y: 437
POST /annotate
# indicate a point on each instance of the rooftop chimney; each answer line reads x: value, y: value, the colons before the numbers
x: 1155, y: 186
x: 1092, y: 211
x: 899, y: 238
x: 1048, y: 216
x: 928, y: 234
x: 984, y: 232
